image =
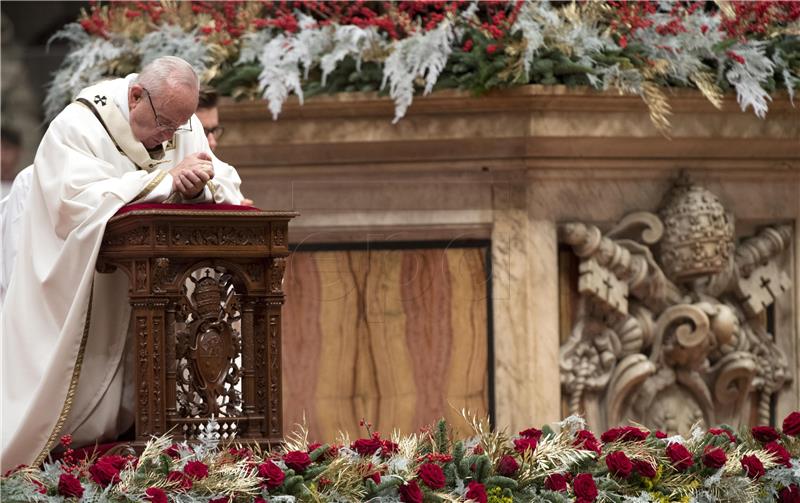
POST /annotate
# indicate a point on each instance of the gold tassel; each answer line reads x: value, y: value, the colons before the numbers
x: 705, y: 83
x: 658, y: 107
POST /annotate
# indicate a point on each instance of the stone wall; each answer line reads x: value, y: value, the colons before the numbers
x: 512, y: 166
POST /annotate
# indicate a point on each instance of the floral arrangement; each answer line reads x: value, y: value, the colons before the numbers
x: 561, y: 464
x: 270, y: 49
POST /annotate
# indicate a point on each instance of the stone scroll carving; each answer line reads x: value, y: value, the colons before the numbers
x: 670, y: 326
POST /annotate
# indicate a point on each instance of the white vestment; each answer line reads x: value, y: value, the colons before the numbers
x: 12, y: 207
x: 63, y: 369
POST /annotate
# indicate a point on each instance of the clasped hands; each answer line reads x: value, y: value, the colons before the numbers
x: 189, y: 177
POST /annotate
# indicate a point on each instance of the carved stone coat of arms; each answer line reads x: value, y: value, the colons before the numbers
x: 671, y: 322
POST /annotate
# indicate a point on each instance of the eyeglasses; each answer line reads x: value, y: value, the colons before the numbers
x: 171, y: 128
x: 217, y: 131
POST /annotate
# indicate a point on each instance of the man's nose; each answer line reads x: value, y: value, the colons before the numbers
x: 164, y: 136
x: 212, y: 141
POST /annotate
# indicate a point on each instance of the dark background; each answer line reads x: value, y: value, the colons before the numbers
x: 26, y: 67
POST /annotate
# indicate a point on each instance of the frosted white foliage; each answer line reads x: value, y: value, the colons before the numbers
x: 785, y: 476
x: 398, y: 464
x: 675, y: 439
x: 171, y: 40
x: 532, y: 18
x: 282, y: 57
x: 790, y: 81
x: 629, y: 80
x: 747, y: 77
x: 585, y: 39
x: 252, y: 45
x: 684, y: 51
x: 86, y: 63
x: 209, y: 437
x: 349, y: 40
x: 643, y: 497
x: 422, y: 54
x: 573, y: 424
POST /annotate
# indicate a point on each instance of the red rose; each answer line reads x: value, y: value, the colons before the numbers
x: 790, y: 494
x: 753, y: 466
x: 297, y: 460
x: 388, y: 447
x: 585, y: 439
x: 155, y: 495
x: 491, y: 49
x: 779, y: 454
x: 172, y: 451
x: 660, y: 434
x: 523, y: 444
x: 432, y: 475
x: 476, y: 492
x: 584, y: 487
x: 196, y: 470
x: 722, y: 431
x: 714, y: 457
x: 531, y: 433
x: 765, y: 434
x: 184, y: 482
x: 376, y: 477
x: 623, y: 434
x: 467, y: 46
x: 366, y: 446
x: 271, y: 473
x: 313, y: 447
x: 410, y: 492
x: 619, y: 464
x: 680, y: 457
x: 791, y: 425
x: 243, y: 453
x: 117, y: 462
x: 104, y: 471
x: 644, y: 468
x: 259, y: 499
x: 556, y: 482
x: 507, y: 466
x: 70, y: 486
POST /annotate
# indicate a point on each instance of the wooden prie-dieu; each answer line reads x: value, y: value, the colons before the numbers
x: 206, y: 295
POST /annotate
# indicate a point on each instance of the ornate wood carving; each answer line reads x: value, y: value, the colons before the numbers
x: 276, y: 269
x: 133, y: 237
x: 669, y: 327
x: 206, y: 297
x: 223, y: 236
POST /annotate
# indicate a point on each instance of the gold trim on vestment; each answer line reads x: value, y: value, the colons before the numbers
x: 73, y: 387
x: 152, y: 185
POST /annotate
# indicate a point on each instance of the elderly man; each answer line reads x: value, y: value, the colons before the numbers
x: 64, y: 327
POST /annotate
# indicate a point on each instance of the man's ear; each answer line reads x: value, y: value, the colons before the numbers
x: 135, y: 94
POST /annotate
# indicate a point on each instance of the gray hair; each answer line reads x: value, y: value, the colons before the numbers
x: 168, y: 71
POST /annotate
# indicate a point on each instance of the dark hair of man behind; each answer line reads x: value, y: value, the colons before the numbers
x: 208, y: 97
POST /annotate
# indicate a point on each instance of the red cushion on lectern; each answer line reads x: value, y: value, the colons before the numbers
x: 193, y: 207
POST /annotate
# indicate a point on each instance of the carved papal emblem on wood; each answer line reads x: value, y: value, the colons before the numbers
x: 670, y: 326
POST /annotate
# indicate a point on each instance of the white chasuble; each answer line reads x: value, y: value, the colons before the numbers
x: 64, y: 326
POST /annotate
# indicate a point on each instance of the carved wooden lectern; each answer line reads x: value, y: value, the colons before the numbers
x: 206, y: 296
